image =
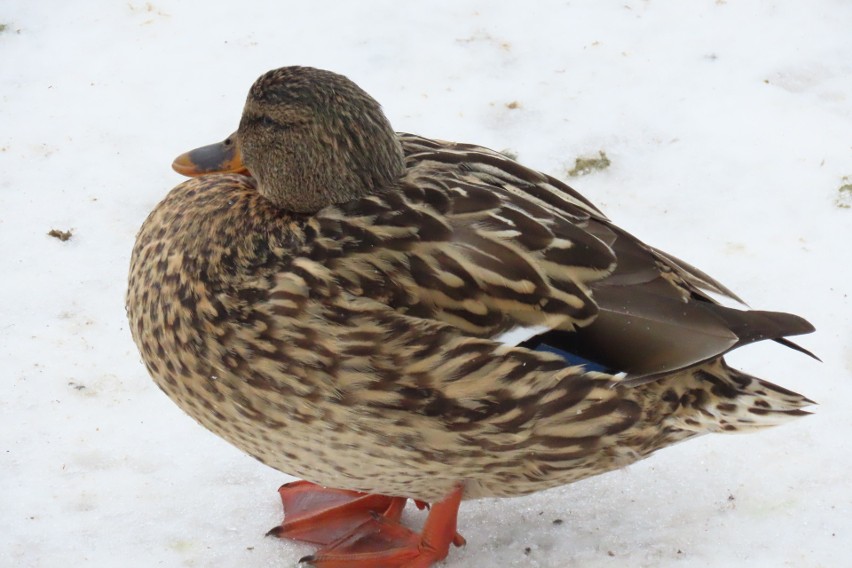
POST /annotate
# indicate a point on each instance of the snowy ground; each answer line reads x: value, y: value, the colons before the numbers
x: 729, y: 128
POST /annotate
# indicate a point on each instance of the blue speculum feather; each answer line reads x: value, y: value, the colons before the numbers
x: 572, y: 358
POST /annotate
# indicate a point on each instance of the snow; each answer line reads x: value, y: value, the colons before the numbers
x: 728, y: 127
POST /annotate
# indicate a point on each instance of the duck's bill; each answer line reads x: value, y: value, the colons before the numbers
x: 223, y: 157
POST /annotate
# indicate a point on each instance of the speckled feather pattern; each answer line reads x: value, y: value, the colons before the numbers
x: 352, y: 347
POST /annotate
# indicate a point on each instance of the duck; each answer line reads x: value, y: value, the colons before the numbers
x: 389, y: 317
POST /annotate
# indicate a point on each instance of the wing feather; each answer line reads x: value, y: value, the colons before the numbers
x: 473, y: 239
x: 467, y: 246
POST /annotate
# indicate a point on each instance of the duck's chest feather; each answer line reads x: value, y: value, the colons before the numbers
x: 203, y: 259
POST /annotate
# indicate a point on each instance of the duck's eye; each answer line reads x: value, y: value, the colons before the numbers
x: 267, y: 122
x: 228, y: 142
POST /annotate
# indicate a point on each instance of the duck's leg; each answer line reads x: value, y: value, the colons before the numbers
x: 385, y: 543
x: 320, y: 515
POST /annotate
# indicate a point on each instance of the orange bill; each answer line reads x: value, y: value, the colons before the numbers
x: 223, y: 157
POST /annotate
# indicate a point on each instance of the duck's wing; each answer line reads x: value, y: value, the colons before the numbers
x: 498, y: 250
x: 656, y: 316
x: 468, y: 248
x: 498, y: 169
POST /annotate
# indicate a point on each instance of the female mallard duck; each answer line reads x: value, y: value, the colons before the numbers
x: 396, y: 317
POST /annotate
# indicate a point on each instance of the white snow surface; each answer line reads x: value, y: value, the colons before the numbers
x: 729, y: 128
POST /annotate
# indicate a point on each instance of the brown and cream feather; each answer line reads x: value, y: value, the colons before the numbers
x: 356, y: 344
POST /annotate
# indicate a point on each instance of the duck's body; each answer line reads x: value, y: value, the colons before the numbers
x: 358, y: 344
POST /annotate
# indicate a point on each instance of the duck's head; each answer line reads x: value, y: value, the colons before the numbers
x: 310, y: 137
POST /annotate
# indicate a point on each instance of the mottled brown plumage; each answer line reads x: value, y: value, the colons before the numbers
x: 337, y: 315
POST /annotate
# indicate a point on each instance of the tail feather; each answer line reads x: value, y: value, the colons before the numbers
x: 796, y: 347
x: 718, y: 398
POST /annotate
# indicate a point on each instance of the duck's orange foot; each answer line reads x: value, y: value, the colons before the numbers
x: 385, y: 543
x: 320, y: 515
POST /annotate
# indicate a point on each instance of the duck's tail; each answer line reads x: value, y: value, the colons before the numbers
x: 717, y: 398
